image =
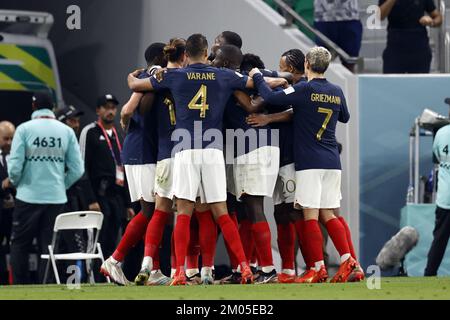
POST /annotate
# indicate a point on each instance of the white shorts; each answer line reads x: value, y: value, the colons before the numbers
x: 164, y: 178
x: 256, y: 172
x: 141, y: 179
x: 318, y: 189
x: 285, y: 187
x: 200, y: 172
x: 231, y: 187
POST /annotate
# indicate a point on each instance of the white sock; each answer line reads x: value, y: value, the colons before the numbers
x: 267, y: 269
x: 191, y: 272
x: 172, y: 272
x: 254, y: 265
x: 239, y: 269
x: 207, y: 270
x: 147, y: 263
x: 113, y: 260
x: 290, y: 272
x: 319, y: 264
x: 345, y: 257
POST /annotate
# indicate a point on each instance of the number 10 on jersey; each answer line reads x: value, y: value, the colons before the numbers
x: 199, y: 101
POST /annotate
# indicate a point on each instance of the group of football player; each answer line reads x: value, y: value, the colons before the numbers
x: 210, y: 134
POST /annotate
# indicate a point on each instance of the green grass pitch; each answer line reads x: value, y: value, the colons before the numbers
x: 391, y: 289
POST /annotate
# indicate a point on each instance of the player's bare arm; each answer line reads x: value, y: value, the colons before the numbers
x: 246, y: 103
x: 272, y: 82
x: 138, y: 85
x: 129, y: 108
x: 261, y: 120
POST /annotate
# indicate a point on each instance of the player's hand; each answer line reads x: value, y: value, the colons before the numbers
x: 130, y: 214
x: 94, y: 207
x: 253, y: 72
x: 258, y: 120
x: 137, y: 72
x: 6, y: 184
x: 426, y: 21
x: 125, y: 115
x: 277, y: 82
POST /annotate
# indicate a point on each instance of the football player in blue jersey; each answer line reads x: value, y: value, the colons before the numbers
x: 255, y: 166
x: 139, y: 156
x: 200, y: 93
x: 318, y: 105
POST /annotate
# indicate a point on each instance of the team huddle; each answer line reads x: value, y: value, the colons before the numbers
x: 209, y: 137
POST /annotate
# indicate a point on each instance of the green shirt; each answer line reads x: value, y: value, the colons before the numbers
x: 45, y: 160
x: 441, y: 150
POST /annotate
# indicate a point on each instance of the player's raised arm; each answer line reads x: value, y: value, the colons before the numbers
x: 138, y: 85
x: 272, y: 82
x: 261, y: 120
x: 284, y: 97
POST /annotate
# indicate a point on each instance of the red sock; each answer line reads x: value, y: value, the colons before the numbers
x: 182, y: 234
x: 261, y: 234
x: 234, y: 263
x: 155, y: 232
x: 313, y: 241
x: 133, y: 234
x: 337, y: 233
x: 246, y: 236
x: 231, y: 236
x: 173, y: 257
x: 207, y: 237
x: 254, y: 256
x: 194, y: 246
x: 300, y: 228
x: 156, y: 263
x: 349, y: 237
x: 286, y: 244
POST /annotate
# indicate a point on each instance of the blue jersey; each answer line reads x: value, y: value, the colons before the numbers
x: 141, y: 142
x: 286, y: 132
x: 318, y: 105
x: 165, y: 109
x: 441, y: 150
x: 200, y: 93
x: 235, y: 118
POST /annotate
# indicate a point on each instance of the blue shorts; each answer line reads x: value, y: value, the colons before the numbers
x: 346, y: 34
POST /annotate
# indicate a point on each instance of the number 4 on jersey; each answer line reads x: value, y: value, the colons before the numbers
x: 199, y: 102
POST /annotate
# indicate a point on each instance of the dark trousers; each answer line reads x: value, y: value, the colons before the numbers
x: 5, y: 236
x: 441, y: 235
x: 30, y: 221
x: 114, y: 211
x: 407, y: 51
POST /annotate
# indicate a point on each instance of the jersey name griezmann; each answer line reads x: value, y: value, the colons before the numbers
x: 320, y: 97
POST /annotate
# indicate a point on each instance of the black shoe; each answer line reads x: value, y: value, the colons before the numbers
x: 254, y: 270
x: 196, y: 279
x: 234, y: 278
x: 264, y: 277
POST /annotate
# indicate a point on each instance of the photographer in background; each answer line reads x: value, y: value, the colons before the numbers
x: 441, y: 231
x: 7, y: 195
x: 408, y: 47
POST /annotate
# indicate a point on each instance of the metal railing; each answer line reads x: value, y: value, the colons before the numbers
x: 333, y: 47
x: 447, y: 53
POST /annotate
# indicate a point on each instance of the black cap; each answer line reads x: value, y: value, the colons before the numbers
x: 102, y: 100
x: 43, y: 100
x: 67, y: 113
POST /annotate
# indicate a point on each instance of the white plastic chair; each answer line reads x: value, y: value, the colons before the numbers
x: 81, y: 220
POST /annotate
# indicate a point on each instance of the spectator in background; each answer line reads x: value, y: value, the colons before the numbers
x: 408, y: 47
x: 441, y: 231
x: 45, y: 160
x: 100, y: 147
x: 7, y: 193
x: 339, y: 21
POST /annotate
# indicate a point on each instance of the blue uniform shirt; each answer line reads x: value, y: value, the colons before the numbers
x: 441, y: 150
x: 200, y: 93
x: 235, y: 118
x: 318, y: 105
x: 141, y: 142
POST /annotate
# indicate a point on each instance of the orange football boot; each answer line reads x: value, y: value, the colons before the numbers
x: 345, y: 270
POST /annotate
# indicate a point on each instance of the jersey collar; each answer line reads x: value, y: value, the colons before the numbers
x: 43, y: 113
